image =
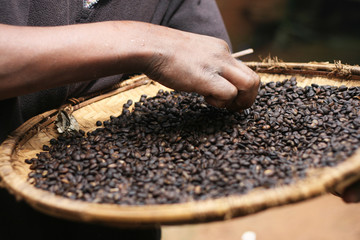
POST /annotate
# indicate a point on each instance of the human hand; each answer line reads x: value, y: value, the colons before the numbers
x: 177, y: 59
x: 196, y: 63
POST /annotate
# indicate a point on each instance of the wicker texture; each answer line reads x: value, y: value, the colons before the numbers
x: 28, y: 139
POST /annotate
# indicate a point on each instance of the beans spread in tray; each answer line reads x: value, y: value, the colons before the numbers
x: 174, y: 147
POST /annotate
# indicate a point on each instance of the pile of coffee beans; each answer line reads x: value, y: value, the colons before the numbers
x: 173, y: 147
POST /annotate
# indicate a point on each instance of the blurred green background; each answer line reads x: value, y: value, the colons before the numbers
x: 295, y: 30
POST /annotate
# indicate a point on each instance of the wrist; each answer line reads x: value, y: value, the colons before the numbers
x: 139, y: 43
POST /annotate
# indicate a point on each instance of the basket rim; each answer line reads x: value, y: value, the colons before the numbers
x: 167, y: 214
x: 268, y: 65
x: 330, y: 70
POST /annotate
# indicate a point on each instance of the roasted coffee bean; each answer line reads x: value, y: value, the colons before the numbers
x: 45, y: 148
x: 174, y: 147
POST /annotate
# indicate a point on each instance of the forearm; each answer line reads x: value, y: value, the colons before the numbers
x: 35, y: 58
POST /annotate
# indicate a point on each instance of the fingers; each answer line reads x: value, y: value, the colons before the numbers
x: 234, y: 87
x: 206, y: 67
x: 218, y: 91
x: 247, y: 83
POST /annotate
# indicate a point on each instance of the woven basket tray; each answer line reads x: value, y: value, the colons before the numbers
x: 29, y: 138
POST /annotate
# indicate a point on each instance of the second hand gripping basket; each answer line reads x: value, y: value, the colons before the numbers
x: 28, y: 139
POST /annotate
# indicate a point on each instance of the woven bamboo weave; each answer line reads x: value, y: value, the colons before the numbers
x: 29, y: 138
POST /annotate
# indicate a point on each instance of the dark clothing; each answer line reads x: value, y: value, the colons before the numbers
x: 17, y: 220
